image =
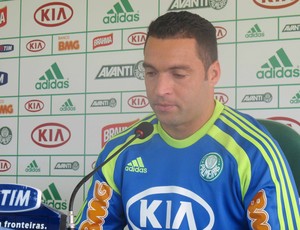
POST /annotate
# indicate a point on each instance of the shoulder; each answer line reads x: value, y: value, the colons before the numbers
x: 123, y: 136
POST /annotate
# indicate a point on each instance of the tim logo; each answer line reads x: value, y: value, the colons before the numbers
x: 6, y: 48
x: 3, y: 16
x: 35, y: 45
x: 138, y: 101
x: 53, y: 14
x: 3, y: 78
x: 50, y: 135
x: 18, y: 198
x: 34, y: 106
x: 275, y: 4
x: 137, y: 38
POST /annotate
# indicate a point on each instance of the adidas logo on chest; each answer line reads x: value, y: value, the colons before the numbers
x: 136, y: 166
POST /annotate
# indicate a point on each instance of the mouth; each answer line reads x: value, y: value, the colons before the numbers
x: 164, y: 107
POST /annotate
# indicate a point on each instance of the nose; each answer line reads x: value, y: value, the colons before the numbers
x: 163, y: 85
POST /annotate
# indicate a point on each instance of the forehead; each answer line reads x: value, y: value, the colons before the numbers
x: 171, y: 51
x: 170, y: 44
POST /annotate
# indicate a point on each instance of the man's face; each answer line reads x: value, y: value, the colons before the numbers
x: 176, y: 83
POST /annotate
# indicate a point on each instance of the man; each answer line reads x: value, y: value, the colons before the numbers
x: 205, y: 165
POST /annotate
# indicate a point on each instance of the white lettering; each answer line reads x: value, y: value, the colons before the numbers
x: 15, y: 199
x: 148, y: 213
x: 4, y: 192
x: 22, y: 199
x: 184, y: 209
x: 176, y: 215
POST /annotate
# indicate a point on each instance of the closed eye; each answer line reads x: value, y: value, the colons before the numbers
x: 177, y: 75
x: 150, y: 72
x: 180, y: 71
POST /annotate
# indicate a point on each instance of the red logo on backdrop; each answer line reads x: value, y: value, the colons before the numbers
x: 4, y: 165
x: 50, y: 135
x: 53, y: 14
x: 138, y: 101
x: 221, y: 32
x: 35, y: 45
x: 68, y: 45
x: 278, y: 4
x: 221, y: 97
x: 286, y: 120
x: 137, y: 38
x: 6, y: 108
x: 34, y: 106
x: 3, y: 16
x: 109, y: 131
x: 104, y: 40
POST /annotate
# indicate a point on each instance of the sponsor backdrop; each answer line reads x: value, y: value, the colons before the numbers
x: 71, y: 77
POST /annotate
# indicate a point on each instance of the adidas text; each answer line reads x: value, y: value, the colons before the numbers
x: 59, y: 205
x: 295, y: 101
x: 136, y: 169
x: 278, y: 73
x: 255, y: 35
x: 122, y: 17
x: 52, y: 85
x: 69, y: 108
x: 32, y: 170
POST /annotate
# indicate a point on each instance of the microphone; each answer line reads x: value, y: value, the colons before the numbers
x: 142, y: 131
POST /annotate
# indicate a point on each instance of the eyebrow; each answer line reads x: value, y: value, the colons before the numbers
x: 145, y: 65
x: 175, y: 67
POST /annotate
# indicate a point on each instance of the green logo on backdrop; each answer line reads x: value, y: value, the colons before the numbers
x: 295, y: 99
x: 52, y: 79
x: 291, y: 28
x: 121, y: 71
x: 51, y: 197
x: 267, y: 97
x: 33, y: 167
x: 278, y: 66
x: 192, y: 4
x: 67, y: 165
x: 255, y: 32
x: 122, y: 11
x: 68, y: 106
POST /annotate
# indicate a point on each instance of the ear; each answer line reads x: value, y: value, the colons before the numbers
x: 214, y: 72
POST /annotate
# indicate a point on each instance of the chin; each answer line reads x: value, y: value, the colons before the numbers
x: 168, y: 120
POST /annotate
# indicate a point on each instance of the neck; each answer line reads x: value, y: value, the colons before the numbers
x: 187, y: 129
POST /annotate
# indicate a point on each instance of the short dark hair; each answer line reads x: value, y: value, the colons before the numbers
x: 184, y: 24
